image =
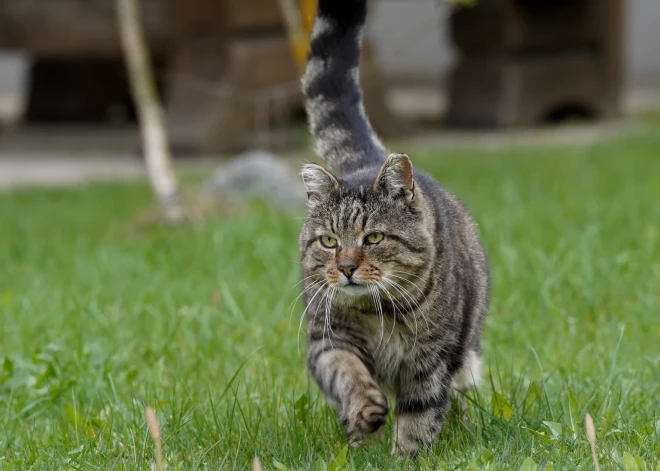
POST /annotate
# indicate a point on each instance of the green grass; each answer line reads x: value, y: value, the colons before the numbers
x: 97, y: 320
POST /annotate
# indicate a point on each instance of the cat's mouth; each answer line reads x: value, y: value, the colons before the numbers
x: 354, y: 288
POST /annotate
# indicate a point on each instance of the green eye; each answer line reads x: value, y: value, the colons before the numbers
x: 328, y: 242
x: 375, y: 237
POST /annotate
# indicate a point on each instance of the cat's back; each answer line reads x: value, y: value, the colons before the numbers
x: 454, y: 225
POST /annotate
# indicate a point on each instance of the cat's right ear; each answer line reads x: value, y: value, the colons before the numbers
x: 396, y: 177
x: 318, y: 182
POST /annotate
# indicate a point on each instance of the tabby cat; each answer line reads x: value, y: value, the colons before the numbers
x: 396, y: 281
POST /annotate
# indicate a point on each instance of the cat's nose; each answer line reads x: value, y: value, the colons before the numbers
x: 348, y: 269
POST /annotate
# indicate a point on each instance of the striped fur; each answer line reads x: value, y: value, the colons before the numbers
x: 396, y: 280
x: 342, y: 133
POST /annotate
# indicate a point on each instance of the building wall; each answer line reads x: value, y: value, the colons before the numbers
x: 411, y: 38
x: 12, y: 67
x: 643, y: 40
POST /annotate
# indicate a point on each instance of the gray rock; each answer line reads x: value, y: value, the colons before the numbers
x: 259, y: 174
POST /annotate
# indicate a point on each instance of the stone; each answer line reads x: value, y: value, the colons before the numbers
x: 259, y: 175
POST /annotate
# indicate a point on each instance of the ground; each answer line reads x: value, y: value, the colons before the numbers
x: 100, y: 317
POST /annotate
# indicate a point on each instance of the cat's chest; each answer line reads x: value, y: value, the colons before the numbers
x: 390, y: 345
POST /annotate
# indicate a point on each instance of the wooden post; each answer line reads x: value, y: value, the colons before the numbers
x: 150, y: 115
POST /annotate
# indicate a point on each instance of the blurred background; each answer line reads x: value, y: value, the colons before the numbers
x: 542, y: 115
x: 229, y: 82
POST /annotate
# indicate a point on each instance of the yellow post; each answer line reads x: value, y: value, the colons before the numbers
x: 308, y: 13
x: 299, y: 21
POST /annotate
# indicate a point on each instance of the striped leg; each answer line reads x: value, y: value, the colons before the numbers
x: 420, y: 410
x: 349, y: 387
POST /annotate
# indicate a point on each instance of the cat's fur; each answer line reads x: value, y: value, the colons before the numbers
x: 410, y: 325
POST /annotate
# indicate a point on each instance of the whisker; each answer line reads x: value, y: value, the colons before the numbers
x: 418, y: 310
x: 421, y: 311
x: 305, y: 279
x: 326, y: 317
x: 382, y: 316
x: 413, y: 284
x: 302, y: 316
x: 327, y: 298
x: 374, y: 294
x: 394, y: 306
x: 307, y: 288
x: 371, y: 295
x: 408, y: 273
x: 328, y: 307
x: 400, y: 290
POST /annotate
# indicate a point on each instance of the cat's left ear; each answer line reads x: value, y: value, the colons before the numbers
x: 396, y: 177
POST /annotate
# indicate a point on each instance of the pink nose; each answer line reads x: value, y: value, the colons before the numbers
x: 348, y: 269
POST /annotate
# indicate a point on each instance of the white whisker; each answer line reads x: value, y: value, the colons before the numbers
x: 307, y: 288
x: 302, y: 316
x: 418, y: 310
x: 375, y: 297
x: 422, y: 313
x: 408, y: 281
x: 305, y: 279
x: 333, y: 291
x: 326, y: 317
x: 411, y: 309
x: 326, y: 314
x: 394, y: 306
x: 410, y: 274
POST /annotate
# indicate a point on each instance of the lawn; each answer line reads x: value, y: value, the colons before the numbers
x: 98, y: 318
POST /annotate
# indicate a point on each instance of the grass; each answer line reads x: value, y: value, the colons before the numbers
x: 97, y: 321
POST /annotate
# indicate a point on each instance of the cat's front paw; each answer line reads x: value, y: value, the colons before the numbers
x: 359, y: 440
x: 367, y: 413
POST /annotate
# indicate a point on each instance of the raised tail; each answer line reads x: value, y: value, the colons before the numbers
x: 343, y: 135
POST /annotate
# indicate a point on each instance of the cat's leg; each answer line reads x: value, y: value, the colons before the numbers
x: 469, y: 375
x: 421, y: 406
x: 466, y: 378
x: 342, y: 375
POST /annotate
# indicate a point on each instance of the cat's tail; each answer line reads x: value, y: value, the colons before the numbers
x: 333, y: 98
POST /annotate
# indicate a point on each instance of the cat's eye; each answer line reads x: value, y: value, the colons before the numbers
x: 374, y: 238
x: 328, y: 242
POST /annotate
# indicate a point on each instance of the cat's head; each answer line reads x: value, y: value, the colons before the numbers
x: 369, y: 229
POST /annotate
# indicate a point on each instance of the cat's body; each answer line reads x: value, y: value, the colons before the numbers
x: 396, y: 281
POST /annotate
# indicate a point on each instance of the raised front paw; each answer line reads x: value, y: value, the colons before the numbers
x: 367, y: 413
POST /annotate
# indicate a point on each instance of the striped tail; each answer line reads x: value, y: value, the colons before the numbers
x: 343, y: 135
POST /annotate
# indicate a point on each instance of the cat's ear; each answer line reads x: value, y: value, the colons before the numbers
x: 318, y: 182
x: 396, y: 177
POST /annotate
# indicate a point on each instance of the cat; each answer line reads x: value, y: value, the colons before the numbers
x: 395, y: 279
